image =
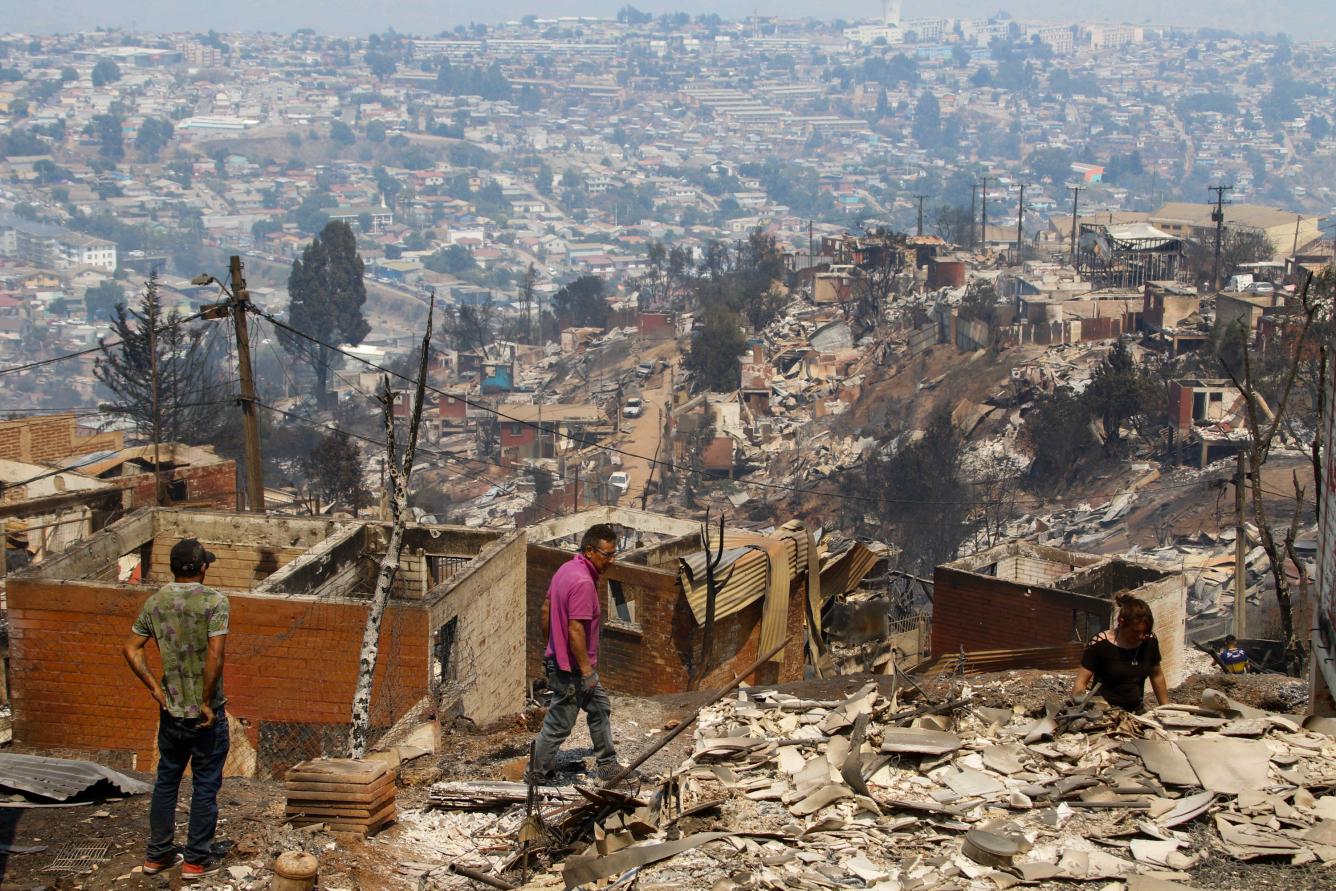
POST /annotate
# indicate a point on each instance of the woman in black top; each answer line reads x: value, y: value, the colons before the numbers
x: 1122, y: 659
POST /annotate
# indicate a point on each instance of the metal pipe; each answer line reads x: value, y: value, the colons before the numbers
x: 483, y: 877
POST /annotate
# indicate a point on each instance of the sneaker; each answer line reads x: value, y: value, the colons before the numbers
x: 193, y: 872
x: 534, y: 778
x: 153, y: 867
x: 613, y: 769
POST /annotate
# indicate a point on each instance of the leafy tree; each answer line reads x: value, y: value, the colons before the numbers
x: 453, y: 260
x: 382, y: 65
x: 466, y: 80
x: 106, y: 72
x: 68, y: 75
x: 334, y: 469
x: 310, y: 215
x: 583, y: 303
x: 126, y: 368
x: 712, y: 359
x: 927, y: 120
x: 1058, y: 432
x: 375, y: 131
x: 629, y: 15
x: 543, y: 181
x: 921, y: 495
x: 101, y: 300
x: 326, y: 294
x: 1117, y: 392
x: 111, y: 141
x: 153, y: 136
x: 1051, y: 163
x: 342, y: 133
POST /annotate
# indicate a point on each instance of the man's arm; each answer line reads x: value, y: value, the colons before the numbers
x: 134, y: 655
x: 213, y: 670
x: 579, y: 646
x: 547, y: 619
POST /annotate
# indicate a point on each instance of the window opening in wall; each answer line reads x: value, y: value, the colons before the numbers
x: 443, y: 651
x: 623, y: 609
x: 443, y: 566
x: 1086, y: 626
x: 176, y: 491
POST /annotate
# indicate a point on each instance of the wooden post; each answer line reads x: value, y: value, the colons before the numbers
x: 1240, y: 551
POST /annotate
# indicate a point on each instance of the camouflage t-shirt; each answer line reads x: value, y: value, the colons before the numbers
x: 181, y: 617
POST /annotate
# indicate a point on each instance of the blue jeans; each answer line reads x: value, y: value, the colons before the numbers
x: 567, y: 699
x: 180, y: 742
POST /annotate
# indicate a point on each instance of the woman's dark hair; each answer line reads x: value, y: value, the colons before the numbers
x: 1133, y: 611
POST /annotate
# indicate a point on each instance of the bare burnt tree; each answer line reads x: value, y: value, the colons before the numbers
x: 400, y: 469
x: 1260, y: 439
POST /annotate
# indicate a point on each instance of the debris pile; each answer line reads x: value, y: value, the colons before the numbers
x: 869, y: 791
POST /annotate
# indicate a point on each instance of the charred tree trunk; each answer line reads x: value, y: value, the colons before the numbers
x: 1256, y: 454
x: 399, y: 472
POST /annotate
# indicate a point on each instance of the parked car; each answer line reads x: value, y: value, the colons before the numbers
x: 620, y: 481
x: 644, y: 369
x: 634, y: 407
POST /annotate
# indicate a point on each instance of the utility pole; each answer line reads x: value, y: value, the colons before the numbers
x: 575, y: 495
x: 1240, y: 549
x: 1218, y: 217
x: 1076, y: 192
x: 157, y: 409
x: 974, y: 200
x: 920, y: 213
x: 983, y: 215
x: 1020, y: 220
x: 249, y: 420
x: 1294, y: 251
x: 811, y: 247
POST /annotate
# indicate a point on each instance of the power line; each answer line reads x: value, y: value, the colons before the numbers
x: 102, y: 344
x: 445, y: 456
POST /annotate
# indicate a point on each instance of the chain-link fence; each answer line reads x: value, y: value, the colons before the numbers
x: 303, y: 675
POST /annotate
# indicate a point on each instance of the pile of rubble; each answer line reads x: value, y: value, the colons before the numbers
x: 867, y: 791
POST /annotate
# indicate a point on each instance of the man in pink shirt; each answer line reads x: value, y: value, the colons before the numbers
x: 572, y: 618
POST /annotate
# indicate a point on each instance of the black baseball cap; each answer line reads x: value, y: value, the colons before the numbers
x: 189, y: 557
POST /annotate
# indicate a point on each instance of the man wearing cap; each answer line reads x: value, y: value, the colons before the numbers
x: 189, y: 623
x: 17, y: 553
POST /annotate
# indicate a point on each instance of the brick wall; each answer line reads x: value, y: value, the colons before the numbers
x: 238, y: 567
x: 36, y: 440
x: 210, y: 487
x: 1027, y: 570
x: 290, y: 662
x: 657, y: 654
x: 1180, y: 406
x: 487, y: 671
x: 984, y: 613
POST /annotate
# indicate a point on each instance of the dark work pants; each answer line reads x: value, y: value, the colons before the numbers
x: 567, y: 700
x: 182, y: 742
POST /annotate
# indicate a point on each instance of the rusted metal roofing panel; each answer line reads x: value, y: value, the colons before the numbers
x: 62, y: 778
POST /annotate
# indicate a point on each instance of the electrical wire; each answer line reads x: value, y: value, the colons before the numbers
x: 380, y: 443
x: 14, y: 369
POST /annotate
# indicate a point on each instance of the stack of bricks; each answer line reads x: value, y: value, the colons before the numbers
x: 344, y: 794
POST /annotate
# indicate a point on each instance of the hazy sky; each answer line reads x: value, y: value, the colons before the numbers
x: 1303, y: 20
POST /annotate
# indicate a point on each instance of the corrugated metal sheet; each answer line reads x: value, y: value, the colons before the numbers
x: 844, y: 572
x: 61, y: 778
x: 744, y: 571
x: 1056, y: 658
